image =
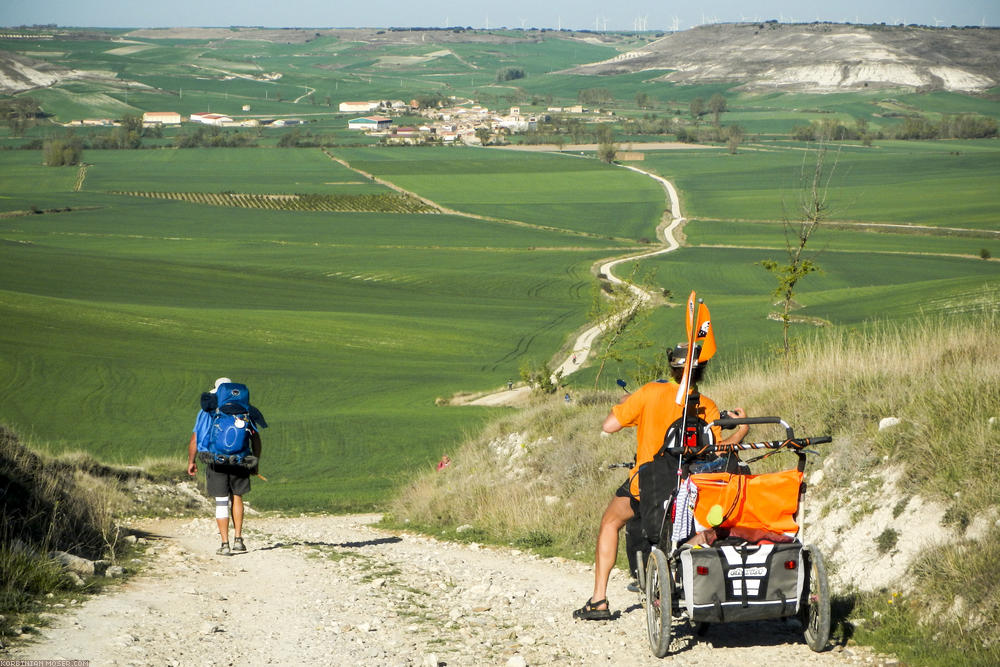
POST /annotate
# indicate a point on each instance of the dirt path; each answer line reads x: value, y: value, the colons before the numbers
x: 332, y: 590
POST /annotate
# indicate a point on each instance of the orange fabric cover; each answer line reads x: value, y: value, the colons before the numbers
x: 765, y: 501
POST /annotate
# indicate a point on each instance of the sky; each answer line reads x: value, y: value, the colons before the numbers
x: 567, y: 14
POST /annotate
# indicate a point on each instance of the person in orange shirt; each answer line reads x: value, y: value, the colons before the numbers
x: 651, y: 409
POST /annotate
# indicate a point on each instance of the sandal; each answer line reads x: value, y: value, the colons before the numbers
x: 590, y: 612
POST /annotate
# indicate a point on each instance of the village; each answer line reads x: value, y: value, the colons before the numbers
x: 463, y: 122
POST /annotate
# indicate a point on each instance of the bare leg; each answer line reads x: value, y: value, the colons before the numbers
x: 617, y: 514
x: 237, y: 516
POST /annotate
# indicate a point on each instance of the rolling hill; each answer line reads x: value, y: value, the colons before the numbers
x: 818, y: 57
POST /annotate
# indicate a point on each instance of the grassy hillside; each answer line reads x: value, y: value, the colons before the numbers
x: 538, y: 479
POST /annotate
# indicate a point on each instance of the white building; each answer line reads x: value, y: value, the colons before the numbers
x: 161, y: 118
x: 369, y: 123
x: 355, y: 107
x: 210, y: 118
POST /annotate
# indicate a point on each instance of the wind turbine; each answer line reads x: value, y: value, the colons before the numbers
x: 675, y: 25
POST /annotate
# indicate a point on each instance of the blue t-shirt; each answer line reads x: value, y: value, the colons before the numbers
x: 202, y: 426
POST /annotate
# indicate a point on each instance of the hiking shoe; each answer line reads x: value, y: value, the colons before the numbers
x: 238, y: 545
x: 224, y: 549
x: 633, y: 586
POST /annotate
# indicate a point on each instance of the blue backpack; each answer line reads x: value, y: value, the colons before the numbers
x: 228, y: 440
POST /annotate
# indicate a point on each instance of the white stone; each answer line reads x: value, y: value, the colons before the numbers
x: 888, y: 422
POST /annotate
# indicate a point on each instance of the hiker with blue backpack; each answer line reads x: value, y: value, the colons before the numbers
x: 226, y: 438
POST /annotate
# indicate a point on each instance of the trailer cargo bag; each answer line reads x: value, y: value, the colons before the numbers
x: 741, y: 583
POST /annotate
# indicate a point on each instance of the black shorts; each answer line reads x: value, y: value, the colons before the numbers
x: 223, y: 480
x: 624, y: 491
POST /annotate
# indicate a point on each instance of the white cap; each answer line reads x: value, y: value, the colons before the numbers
x: 218, y: 382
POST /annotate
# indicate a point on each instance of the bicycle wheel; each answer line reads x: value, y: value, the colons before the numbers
x: 815, y: 609
x: 658, y: 602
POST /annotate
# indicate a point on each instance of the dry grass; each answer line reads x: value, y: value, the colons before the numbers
x: 537, y: 478
x: 50, y: 504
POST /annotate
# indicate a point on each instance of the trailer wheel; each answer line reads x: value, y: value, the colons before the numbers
x: 815, y: 608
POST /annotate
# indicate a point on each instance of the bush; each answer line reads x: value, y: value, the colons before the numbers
x: 510, y: 74
x: 62, y: 152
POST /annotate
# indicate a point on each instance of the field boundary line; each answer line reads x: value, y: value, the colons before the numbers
x: 444, y: 210
x: 901, y: 227
x: 912, y: 253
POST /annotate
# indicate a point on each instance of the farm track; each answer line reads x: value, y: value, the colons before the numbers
x: 81, y: 176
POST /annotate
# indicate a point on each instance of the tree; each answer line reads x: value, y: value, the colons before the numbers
x: 734, y: 137
x: 20, y: 114
x: 132, y: 123
x: 595, y: 96
x: 62, y: 152
x: 697, y: 108
x: 539, y: 376
x: 623, y: 311
x: 716, y: 104
x: 642, y: 100
x: 607, y: 151
x: 813, y: 209
x: 483, y: 134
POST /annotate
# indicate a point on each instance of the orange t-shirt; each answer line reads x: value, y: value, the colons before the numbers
x: 651, y: 409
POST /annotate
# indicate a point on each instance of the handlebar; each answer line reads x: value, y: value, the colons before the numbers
x: 732, y: 422
x: 794, y: 443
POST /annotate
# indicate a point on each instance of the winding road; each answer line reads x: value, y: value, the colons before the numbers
x: 585, y: 341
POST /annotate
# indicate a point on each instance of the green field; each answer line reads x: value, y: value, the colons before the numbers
x: 347, y: 327
x: 286, y: 170
x: 942, y: 184
x: 561, y: 191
